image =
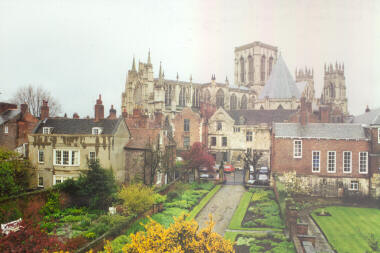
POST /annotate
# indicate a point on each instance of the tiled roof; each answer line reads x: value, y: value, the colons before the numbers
x: 320, y: 131
x: 142, y: 137
x: 254, y: 117
x: 369, y: 118
x: 280, y: 83
x: 8, y: 115
x: 77, y: 126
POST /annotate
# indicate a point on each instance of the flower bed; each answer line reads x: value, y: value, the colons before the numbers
x: 260, y: 242
x: 263, y: 211
x: 180, y: 201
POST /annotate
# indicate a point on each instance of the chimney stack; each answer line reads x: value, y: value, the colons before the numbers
x: 44, y: 110
x: 367, y: 109
x: 124, y: 114
x: 112, y: 113
x: 75, y: 116
x: 99, y: 109
x: 303, y: 113
x: 24, y: 109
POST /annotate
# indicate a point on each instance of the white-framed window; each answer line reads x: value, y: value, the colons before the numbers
x: 363, y: 162
x: 40, y: 181
x: 354, y: 186
x: 57, y: 179
x: 236, y: 129
x: 186, y: 125
x: 186, y: 141
x: 96, y: 130
x: 41, y: 156
x: 6, y: 129
x: 347, y: 162
x: 316, y: 161
x: 224, y: 141
x: 92, y: 156
x: 47, y: 130
x: 331, y: 161
x: 297, y: 149
x: 66, y: 157
x: 249, y: 136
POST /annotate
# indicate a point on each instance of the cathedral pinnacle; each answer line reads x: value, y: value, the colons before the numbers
x: 133, y: 64
x: 177, y: 76
x: 160, y: 72
x: 191, y: 78
x: 149, y: 62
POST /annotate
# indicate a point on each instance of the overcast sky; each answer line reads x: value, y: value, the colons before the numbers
x: 78, y: 49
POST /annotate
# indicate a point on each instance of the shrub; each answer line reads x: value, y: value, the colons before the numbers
x: 158, y: 198
x: 48, y: 226
x: 52, y: 204
x: 75, y: 243
x: 9, y: 212
x: 94, y: 189
x: 13, y: 173
x: 137, y: 198
x: 172, y: 195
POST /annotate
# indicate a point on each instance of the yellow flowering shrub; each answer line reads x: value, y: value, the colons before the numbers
x: 181, y: 236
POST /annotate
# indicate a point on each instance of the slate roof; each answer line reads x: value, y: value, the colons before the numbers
x: 254, y: 117
x: 280, y: 83
x: 77, y: 126
x: 233, y: 86
x: 369, y: 118
x: 320, y: 131
x: 8, y: 115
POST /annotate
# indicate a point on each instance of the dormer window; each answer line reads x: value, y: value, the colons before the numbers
x: 47, y: 130
x: 96, y: 130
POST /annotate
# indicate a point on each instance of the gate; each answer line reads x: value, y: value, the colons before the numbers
x: 234, y: 178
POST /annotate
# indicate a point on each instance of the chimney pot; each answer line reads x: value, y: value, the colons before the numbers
x: 99, y: 109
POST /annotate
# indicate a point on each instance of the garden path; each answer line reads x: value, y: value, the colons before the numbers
x: 222, y: 206
x: 321, y: 243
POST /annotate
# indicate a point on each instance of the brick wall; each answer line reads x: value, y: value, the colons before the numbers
x: 283, y: 161
x: 194, y: 131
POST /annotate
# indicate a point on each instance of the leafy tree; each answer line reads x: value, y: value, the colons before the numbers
x: 252, y: 158
x: 94, y: 189
x: 13, y: 173
x: 33, y: 97
x: 181, y: 236
x: 137, y: 198
x: 198, y: 156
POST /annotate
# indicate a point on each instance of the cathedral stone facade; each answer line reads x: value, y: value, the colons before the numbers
x: 262, y: 81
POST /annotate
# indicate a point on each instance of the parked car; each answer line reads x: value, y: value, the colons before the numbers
x: 203, y: 169
x: 264, y: 170
x: 229, y: 168
x: 204, y: 176
x: 262, y: 179
x: 216, y: 167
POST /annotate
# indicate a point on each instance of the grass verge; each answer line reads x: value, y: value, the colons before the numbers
x: 239, y: 213
x: 194, y: 212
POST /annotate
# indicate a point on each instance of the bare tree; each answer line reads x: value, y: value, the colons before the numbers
x: 33, y: 97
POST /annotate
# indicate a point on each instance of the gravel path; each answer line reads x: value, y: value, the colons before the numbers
x: 221, y: 206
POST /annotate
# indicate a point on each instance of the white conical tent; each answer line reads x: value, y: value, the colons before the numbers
x: 280, y: 83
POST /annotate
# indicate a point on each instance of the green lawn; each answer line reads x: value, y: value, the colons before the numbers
x: 348, y: 228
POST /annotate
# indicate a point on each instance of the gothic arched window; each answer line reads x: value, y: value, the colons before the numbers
x: 233, y: 102
x: 138, y: 94
x: 242, y: 70
x: 168, y: 95
x: 207, y: 96
x: 182, y: 96
x: 332, y: 90
x: 251, y: 70
x: 244, y: 102
x: 220, y: 98
x: 270, y: 65
x: 280, y: 107
x: 262, y: 68
x: 196, y: 101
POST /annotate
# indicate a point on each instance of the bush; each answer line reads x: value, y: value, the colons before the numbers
x: 52, y: 205
x: 172, y: 195
x: 137, y: 198
x: 9, y: 212
x: 13, y: 173
x: 94, y: 189
x: 158, y: 198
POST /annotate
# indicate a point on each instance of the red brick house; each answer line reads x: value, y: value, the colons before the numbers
x: 371, y: 121
x: 15, y: 125
x: 187, y: 126
x: 332, y: 157
x: 148, y: 142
